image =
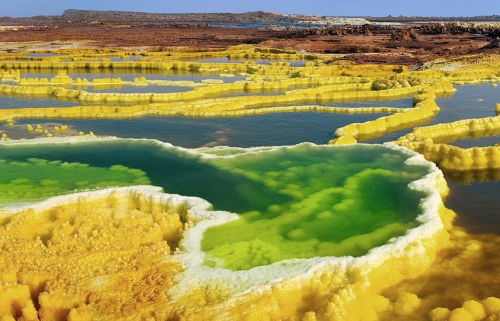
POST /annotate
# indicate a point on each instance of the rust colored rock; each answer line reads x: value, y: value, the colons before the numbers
x: 495, y: 43
x: 366, y: 30
x: 405, y: 34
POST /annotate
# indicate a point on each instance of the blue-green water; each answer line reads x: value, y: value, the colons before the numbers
x: 397, y: 103
x: 477, y: 142
x: 138, y: 89
x: 46, y: 54
x: 7, y: 102
x: 247, y: 131
x: 20, y: 101
x: 476, y: 204
x: 129, y: 75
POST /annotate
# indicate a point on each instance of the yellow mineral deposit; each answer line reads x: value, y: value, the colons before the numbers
x: 441, y: 294
x: 88, y: 252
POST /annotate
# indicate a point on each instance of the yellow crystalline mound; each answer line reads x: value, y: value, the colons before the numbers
x: 424, y: 109
x: 344, y: 140
x: 470, y: 310
x: 110, y: 256
x: 13, y: 297
x: 459, y: 285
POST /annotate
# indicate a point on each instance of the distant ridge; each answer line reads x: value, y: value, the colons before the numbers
x: 126, y: 16
x: 491, y: 18
x: 87, y: 16
x: 92, y: 16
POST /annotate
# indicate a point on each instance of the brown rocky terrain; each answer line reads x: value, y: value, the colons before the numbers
x: 363, y: 44
x: 123, y: 16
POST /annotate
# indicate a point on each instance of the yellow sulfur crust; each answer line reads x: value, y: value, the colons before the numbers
x: 108, y: 253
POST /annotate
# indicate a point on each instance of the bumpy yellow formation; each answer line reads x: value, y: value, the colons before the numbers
x: 101, y: 255
x: 424, y: 109
x: 438, y: 294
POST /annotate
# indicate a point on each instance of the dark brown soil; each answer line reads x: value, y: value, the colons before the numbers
x: 376, y: 46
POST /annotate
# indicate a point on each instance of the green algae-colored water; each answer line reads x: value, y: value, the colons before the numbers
x: 343, y: 202
x: 33, y: 179
x: 297, y: 202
